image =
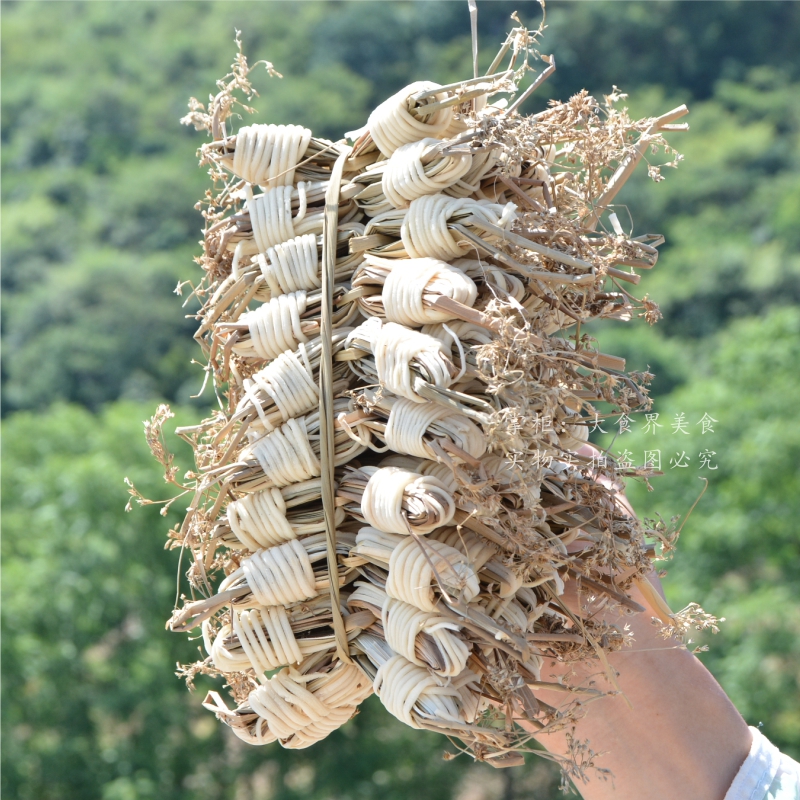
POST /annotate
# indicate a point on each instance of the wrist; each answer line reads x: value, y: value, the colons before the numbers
x: 664, y: 721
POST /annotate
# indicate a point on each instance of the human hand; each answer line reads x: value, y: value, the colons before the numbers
x: 665, y: 728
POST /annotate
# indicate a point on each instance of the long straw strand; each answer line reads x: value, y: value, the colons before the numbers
x: 473, y: 18
x: 326, y: 413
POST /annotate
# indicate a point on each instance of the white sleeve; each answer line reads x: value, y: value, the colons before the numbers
x: 767, y: 774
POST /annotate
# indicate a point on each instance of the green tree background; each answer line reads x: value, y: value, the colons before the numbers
x: 98, y: 187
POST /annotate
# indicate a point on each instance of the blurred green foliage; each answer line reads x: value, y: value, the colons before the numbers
x: 97, y: 171
x: 90, y: 706
x: 98, y: 188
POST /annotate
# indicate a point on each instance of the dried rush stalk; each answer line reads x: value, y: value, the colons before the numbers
x: 392, y: 494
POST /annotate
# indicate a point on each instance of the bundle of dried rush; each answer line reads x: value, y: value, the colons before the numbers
x: 395, y: 489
